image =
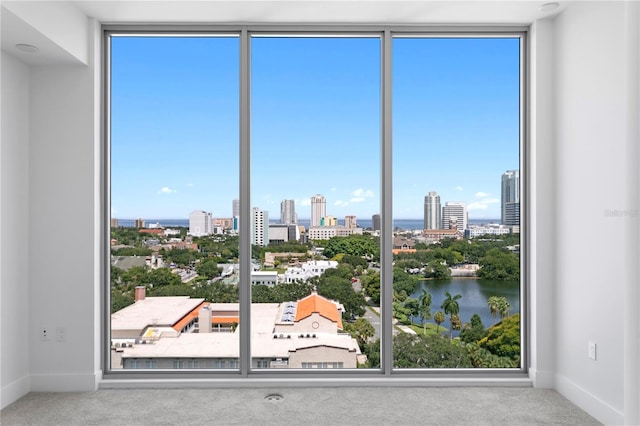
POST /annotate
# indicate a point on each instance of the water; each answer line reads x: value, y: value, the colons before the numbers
x: 475, y: 294
x: 406, y: 224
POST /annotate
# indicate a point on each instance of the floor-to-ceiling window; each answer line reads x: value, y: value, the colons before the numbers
x: 330, y: 200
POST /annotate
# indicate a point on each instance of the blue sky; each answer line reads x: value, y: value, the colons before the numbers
x: 315, y: 124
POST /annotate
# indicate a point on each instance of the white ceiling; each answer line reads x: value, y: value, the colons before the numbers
x: 317, y: 11
x: 396, y: 12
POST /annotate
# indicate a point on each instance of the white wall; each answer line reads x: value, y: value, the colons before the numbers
x: 595, y: 169
x: 584, y: 160
x: 14, y: 230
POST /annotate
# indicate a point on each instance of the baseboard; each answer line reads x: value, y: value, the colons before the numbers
x: 64, y: 382
x: 599, y: 409
x: 14, y: 391
x: 542, y: 379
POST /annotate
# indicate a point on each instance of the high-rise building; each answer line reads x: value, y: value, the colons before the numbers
x: 432, y: 211
x: 114, y: 222
x: 139, y: 223
x: 200, y: 223
x: 454, y: 213
x: 318, y: 209
x: 259, y: 227
x: 510, y: 198
x: 328, y: 221
x: 375, y: 222
x: 235, y: 208
x: 350, y: 222
x: 288, y: 212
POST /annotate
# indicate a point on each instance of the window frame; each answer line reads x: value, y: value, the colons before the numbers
x: 386, y: 374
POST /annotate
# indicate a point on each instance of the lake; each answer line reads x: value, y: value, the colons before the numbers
x: 475, y: 294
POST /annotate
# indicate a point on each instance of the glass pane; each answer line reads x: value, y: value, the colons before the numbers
x: 315, y: 178
x: 456, y: 202
x: 174, y: 176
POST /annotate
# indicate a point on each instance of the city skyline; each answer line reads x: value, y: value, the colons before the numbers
x: 175, y: 134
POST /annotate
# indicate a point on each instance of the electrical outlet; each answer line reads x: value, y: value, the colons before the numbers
x: 61, y: 334
x: 44, y: 334
x: 592, y: 350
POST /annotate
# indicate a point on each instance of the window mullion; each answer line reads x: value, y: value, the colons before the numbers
x: 245, y: 210
x: 386, y: 257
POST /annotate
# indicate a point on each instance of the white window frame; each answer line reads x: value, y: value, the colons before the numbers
x: 246, y: 374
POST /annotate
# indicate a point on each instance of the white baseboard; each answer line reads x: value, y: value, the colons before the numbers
x: 14, y: 391
x: 599, y: 409
x: 64, y: 382
x: 542, y: 379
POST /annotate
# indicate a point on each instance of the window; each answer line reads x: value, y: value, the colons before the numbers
x: 352, y: 196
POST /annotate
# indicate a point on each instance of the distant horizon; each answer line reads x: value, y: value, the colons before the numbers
x: 314, y: 123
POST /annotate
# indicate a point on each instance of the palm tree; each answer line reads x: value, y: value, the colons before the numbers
x: 424, y: 306
x: 450, y: 306
x: 494, y: 303
x: 503, y: 308
x: 439, y: 318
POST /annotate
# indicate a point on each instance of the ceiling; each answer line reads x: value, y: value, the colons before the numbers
x: 317, y: 11
x: 348, y: 12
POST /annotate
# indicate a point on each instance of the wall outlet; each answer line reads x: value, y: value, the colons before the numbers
x: 44, y: 334
x: 592, y: 351
x: 61, y: 334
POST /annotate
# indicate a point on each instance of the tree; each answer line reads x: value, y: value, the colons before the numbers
x: 498, y: 305
x: 503, y: 339
x: 371, y: 286
x: 451, y: 307
x: 361, y: 330
x: 430, y: 351
x: 473, y: 331
x: 424, y: 308
x: 438, y: 317
x: 208, y: 268
x: 493, y: 305
x: 499, y: 264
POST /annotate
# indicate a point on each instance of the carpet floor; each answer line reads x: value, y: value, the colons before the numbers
x: 299, y: 406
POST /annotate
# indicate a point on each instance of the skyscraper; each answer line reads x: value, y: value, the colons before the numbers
x: 235, y: 215
x: 375, y: 222
x: 318, y: 209
x: 259, y: 227
x: 235, y: 209
x: 455, y: 213
x: 432, y: 211
x: 350, y: 222
x: 200, y: 223
x: 288, y: 212
x: 510, y: 214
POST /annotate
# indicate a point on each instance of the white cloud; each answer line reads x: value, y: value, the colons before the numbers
x: 357, y: 199
x: 459, y: 188
x: 482, y: 194
x: 482, y: 204
x: 340, y: 203
x: 362, y: 193
x: 334, y: 189
x: 305, y: 202
x: 166, y: 190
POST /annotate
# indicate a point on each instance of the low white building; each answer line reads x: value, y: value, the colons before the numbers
x: 170, y: 333
x: 491, y: 229
x: 268, y: 278
x: 308, y: 270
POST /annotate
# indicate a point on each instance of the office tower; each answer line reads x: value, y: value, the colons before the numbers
x: 454, y: 213
x: 510, y: 214
x: 350, y: 222
x: 318, y: 209
x: 139, y: 223
x: 200, y: 223
x: 288, y: 212
x: 235, y: 209
x: 432, y: 211
x: 375, y: 222
x: 259, y: 227
x: 114, y: 223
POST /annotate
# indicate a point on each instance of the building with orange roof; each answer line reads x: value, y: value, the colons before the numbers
x: 170, y: 332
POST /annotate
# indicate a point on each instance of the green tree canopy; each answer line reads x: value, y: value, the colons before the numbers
x: 355, y: 245
x: 499, y: 264
x: 430, y: 351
